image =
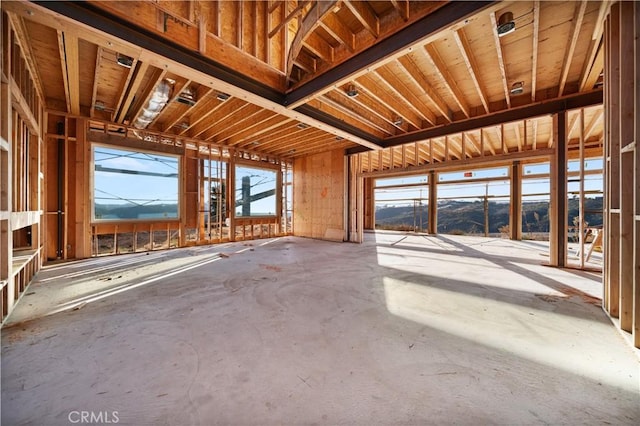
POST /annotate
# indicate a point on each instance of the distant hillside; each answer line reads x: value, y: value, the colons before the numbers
x: 468, y: 216
x: 134, y: 211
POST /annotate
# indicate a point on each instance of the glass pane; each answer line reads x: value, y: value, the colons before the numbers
x: 131, y: 185
x: 255, y: 192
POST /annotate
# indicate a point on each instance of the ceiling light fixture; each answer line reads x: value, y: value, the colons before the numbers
x: 223, y: 96
x: 352, y: 92
x: 124, y: 60
x: 302, y: 126
x: 506, y: 24
x: 517, y: 88
x: 398, y: 121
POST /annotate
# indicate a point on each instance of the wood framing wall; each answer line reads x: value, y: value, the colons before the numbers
x: 319, y: 196
x: 622, y: 167
x: 21, y: 122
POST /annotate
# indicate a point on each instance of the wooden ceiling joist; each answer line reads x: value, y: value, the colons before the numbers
x: 576, y: 26
x: 534, y: 49
x: 363, y: 13
x: 398, y: 44
x: 367, y: 84
x: 410, y: 67
x: 501, y: 66
x: 450, y: 83
x: 472, y: 67
x: 565, y: 103
x: 138, y: 76
x: 395, y: 85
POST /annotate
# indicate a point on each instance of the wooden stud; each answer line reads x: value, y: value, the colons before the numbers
x: 612, y: 237
x: 472, y: 67
x: 627, y: 158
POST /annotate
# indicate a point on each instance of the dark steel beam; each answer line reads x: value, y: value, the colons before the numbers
x: 312, y: 112
x: 88, y: 14
x: 566, y: 103
x: 439, y: 20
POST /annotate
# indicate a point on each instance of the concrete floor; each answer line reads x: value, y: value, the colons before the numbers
x: 403, y: 329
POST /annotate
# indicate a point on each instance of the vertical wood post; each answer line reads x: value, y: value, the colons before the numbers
x: 558, y: 196
x: 433, y: 203
x: 515, y: 205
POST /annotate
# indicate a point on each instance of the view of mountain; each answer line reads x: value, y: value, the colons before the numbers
x: 468, y: 216
x: 135, y: 211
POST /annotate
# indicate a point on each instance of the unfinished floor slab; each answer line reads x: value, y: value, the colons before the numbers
x: 404, y: 328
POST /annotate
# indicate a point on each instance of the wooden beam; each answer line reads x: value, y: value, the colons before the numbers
x: 627, y: 166
x: 383, y: 97
x: 503, y: 72
x: 576, y: 25
x: 365, y: 15
x: 63, y: 62
x: 416, y: 34
x: 408, y: 64
x: 96, y: 76
x: 319, y: 47
x: 594, y: 62
x: 24, y: 41
x: 143, y: 98
x: 294, y: 13
x: 125, y: 142
x: 310, y: 22
x: 406, y: 95
x: 449, y: 82
x: 339, y: 31
x: 132, y: 90
x: 331, y: 98
x: 402, y: 7
x: 462, y: 164
x: 558, y: 194
x: 507, y: 116
x: 534, y: 54
x: 472, y: 67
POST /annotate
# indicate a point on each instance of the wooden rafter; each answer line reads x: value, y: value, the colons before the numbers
x: 534, y: 54
x: 265, y: 127
x: 306, y: 28
x: 408, y: 64
x: 251, y: 122
x: 138, y: 104
x: 63, y: 62
x: 131, y: 91
x: 516, y: 130
x: 96, y: 76
x: 472, y: 67
x: 396, y: 86
x: 339, y: 31
x: 319, y: 47
x: 450, y: 83
x: 294, y: 13
x: 380, y: 109
x: 203, y: 110
x: 501, y: 66
x: 25, y: 43
x: 244, y: 113
x: 202, y: 95
x: 368, y: 85
x: 224, y: 110
x: 363, y: 13
x: 597, y: 118
x: 331, y: 99
x: 594, y: 63
x: 402, y: 6
x: 576, y: 25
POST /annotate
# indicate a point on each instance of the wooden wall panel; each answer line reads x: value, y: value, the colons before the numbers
x: 319, y: 196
